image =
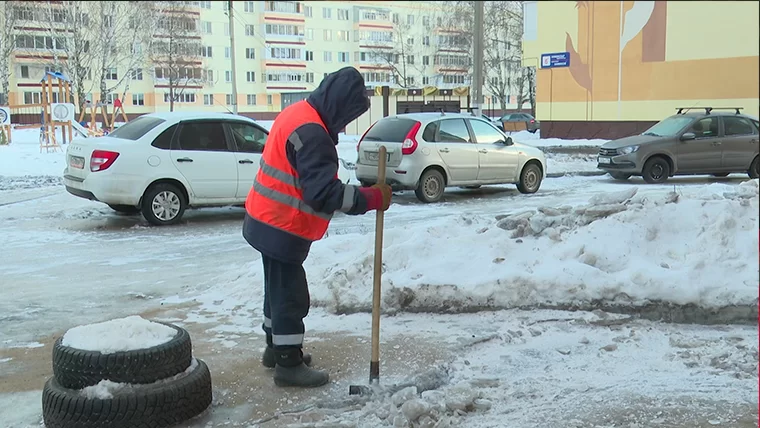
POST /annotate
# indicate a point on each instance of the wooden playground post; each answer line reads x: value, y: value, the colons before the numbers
x: 118, y: 107
x: 67, y: 94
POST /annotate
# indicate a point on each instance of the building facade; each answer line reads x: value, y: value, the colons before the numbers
x: 632, y: 63
x: 283, y: 49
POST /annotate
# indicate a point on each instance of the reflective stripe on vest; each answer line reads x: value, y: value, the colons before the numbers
x: 276, y: 197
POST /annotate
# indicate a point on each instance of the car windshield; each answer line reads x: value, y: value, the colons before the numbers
x: 135, y: 129
x: 669, y: 127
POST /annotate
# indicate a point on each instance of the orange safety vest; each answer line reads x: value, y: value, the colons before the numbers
x: 276, y: 198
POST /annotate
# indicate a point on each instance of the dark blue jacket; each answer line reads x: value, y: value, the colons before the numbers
x: 339, y: 99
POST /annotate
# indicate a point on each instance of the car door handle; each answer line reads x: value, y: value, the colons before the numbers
x: 753, y: 141
x: 184, y: 160
x: 444, y: 150
x: 716, y: 143
x: 245, y: 161
x: 482, y: 151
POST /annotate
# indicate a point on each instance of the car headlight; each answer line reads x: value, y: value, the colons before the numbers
x: 628, y: 150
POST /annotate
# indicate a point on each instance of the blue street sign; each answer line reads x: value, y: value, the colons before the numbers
x: 554, y: 60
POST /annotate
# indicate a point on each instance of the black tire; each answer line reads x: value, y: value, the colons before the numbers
x: 172, y: 194
x: 76, y: 369
x: 720, y: 174
x: 530, y: 178
x: 125, y: 209
x: 157, y: 405
x: 619, y: 175
x: 431, y: 187
x: 754, y: 169
x: 656, y: 170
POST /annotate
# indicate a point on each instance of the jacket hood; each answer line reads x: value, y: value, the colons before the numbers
x: 340, y: 99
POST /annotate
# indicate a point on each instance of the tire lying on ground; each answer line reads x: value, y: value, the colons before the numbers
x: 76, y: 368
x: 161, y: 404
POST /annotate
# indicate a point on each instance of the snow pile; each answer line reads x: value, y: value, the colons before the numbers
x: 698, y: 246
x: 535, y: 140
x: 106, y: 389
x: 118, y: 335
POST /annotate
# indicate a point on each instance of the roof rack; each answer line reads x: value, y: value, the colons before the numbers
x: 682, y: 110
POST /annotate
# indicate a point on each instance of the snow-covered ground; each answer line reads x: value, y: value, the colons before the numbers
x: 499, y: 268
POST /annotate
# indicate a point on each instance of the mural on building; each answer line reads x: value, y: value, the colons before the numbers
x: 622, y: 52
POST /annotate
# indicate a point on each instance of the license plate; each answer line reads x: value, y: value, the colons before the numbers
x: 76, y: 162
x: 604, y: 160
x: 375, y: 156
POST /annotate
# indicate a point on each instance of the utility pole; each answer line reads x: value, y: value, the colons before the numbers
x: 478, y: 46
x: 232, y: 57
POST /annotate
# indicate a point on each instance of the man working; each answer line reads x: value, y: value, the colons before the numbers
x: 290, y: 205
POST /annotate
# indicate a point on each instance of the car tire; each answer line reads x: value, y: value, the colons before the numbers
x: 168, y: 195
x: 162, y: 404
x: 620, y: 175
x: 656, y: 170
x: 720, y: 174
x: 76, y: 368
x: 530, y: 178
x: 431, y: 186
x: 125, y: 209
x: 754, y: 169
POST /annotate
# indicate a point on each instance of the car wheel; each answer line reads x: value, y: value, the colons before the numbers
x: 125, y: 209
x: 530, y: 178
x: 163, y: 204
x: 431, y: 186
x: 620, y: 175
x: 77, y: 368
x: 166, y: 403
x: 754, y: 169
x: 720, y: 174
x: 656, y: 170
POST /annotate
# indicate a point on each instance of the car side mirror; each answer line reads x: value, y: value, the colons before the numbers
x: 507, y: 142
x: 688, y: 136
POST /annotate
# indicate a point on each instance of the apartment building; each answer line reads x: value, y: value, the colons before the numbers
x: 283, y: 49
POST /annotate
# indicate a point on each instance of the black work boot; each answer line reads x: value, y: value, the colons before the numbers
x: 290, y: 370
x: 268, y: 360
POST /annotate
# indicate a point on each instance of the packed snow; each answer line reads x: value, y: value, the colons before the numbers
x: 106, y: 389
x: 118, y: 335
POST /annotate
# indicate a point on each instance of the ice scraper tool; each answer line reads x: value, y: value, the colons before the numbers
x: 374, y: 364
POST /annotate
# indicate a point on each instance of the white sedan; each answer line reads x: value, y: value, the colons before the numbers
x: 162, y: 163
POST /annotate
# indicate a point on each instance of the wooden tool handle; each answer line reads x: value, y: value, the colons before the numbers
x: 374, y: 365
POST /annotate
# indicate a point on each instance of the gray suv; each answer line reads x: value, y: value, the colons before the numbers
x: 687, y: 143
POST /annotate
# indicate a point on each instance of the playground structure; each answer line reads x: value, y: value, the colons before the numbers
x: 48, y: 140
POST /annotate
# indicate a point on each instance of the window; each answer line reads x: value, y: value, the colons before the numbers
x: 328, y: 35
x: 342, y: 35
x: 111, y: 74
x: 228, y: 76
x: 283, y: 6
x: 40, y: 42
x: 737, y: 126
x: 453, y: 131
x: 283, y: 30
x: 426, y: 41
x: 227, y: 52
x: 248, y: 30
x: 248, y: 138
x: 137, y: 74
x: 410, y: 59
x: 391, y: 130
x: 410, y: 41
x: 136, y: 128
x: 453, y: 40
x: 425, y: 60
x: 375, y: 77
x: 425, y: 80
x: 206, y: 27
x: 309, y: 56
x: 226, y: 28
x: 250, y: 53
x: 705, y: 128
x: 138, y: 99
x: 24, y: 71
x: 343, y: 56
x: 269, y: 100
x: 33, y: 97
x: 452, y: 60
x: 250, y: 76
x: 530, y: 20
x: 307, y: 12
x: 201, y: 136
x: 668, y: 127
x: 228, y: 99
x: 328, y: 56
x: 207, y: 52
x: 205, y: 5
x: 326, y: 13
x: 309, y: 77
x: 374, y: 15
x: 409, y: 19
x: 284, y: 76
x: 343, y: 14
x: 209, y: 75
x: 248, y: 6
x: 284, y: 53
x: 426, y: 21
x: 376, y: 36
x: 395, y: 18
x: 164, y: 139
x: 485, y: 133
x: 450, y: 79
x: 410, y: 81
x: 309, y: 34
x: 181, y: 98
x: 208, y: 99
x: 250, y: 99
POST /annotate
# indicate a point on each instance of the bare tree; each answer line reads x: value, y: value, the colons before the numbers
x: 7, y: 44
x: 176, y: 53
